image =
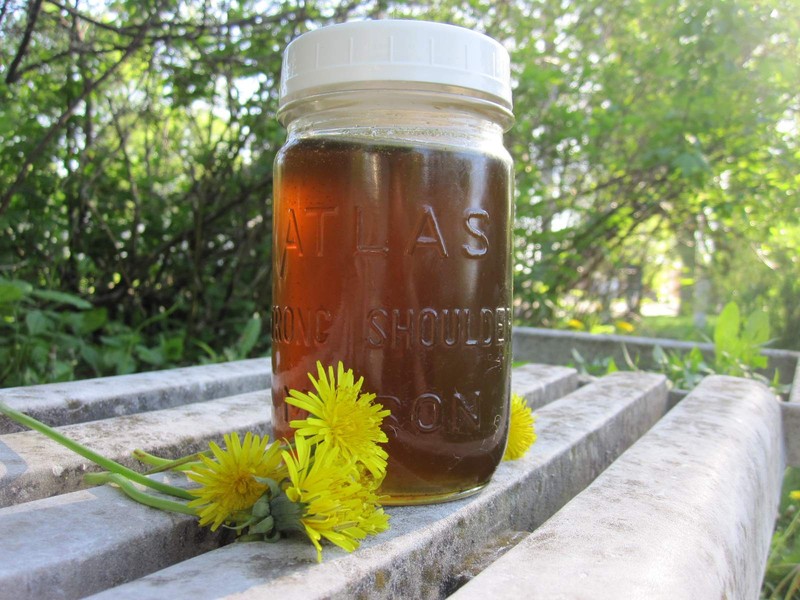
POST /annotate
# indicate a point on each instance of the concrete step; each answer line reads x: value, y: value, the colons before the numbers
x: 791, y: 430
x: 33, y: 466
x: 428, y: 547
x: 687, y: 512
x: 82, y: 542
x: 79, y: 543
x: 92, y: 399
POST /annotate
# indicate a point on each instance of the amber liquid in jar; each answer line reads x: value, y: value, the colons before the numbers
x: 395, y: 260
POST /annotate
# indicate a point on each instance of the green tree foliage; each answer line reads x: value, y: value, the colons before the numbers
x: 640, y: 121
x: 136, y: 172
x: 137, y: 139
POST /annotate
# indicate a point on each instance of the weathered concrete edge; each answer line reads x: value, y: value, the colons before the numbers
x: 541, y: 384
x: 552, y: 346
x: 419, y: 557
x: 71, y: 564
x: 790, y: 415
x: 687, y: 512
x: 92, y: 399
x: 34, y: 467
x: 794, y: 393
x: 77, y: 544
x: 790, y: 412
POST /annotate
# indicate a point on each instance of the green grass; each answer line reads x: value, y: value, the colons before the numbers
x: 676, y: 328
x: 782, y: 579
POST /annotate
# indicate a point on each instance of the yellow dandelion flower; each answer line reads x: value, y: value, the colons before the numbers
x: 228, y: 482
x: 576, y: 324
x: 336, y: 506
x: 372, y: 518
x: 521, y: 429
x: 795, y: 495
x: 625, y: 326
x: 342, y: 417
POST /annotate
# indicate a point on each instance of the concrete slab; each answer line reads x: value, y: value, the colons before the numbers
x: 44, y: 558
x: 686, y: 513
x: 791, y: 432
x: 92, y: 399
x: 553, y: 346
x: 424, y: 552
x: 540, y: 384
x: 32, y: 466
x: 76, y: 544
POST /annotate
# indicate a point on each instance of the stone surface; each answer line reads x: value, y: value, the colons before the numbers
x: 540, y: 384
x: 791, y: 422
x: 45, y: 558
x: 554, y: 347
x: 76, y: 544
x: 686, y: 513
x: 791, y: 432
x: 93, y: 399
x: 33, y: 466
x: 427, y: 548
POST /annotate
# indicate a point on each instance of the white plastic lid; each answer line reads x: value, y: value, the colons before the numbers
x: 352, y: 55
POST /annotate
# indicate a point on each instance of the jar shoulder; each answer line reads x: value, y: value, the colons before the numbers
x: 351, y: 146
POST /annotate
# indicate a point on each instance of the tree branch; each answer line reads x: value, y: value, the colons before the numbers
x: 79, y: 15
x: 180, y: 29
x: 3, y: 10
x: 33, y: 13
x: 67, y: 54
x: 34, y: 154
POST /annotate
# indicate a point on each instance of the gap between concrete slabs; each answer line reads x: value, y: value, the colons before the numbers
x: 104, y: 397
x: 579, y: 436
x: 73, y: 563
x: 687, y: 512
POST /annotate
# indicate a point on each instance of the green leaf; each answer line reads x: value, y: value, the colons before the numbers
x: 695, y: 357
x: 152, y: 357
x: 172, y: 348
x: 89, y: 321
x: 37, y: 323
x: 125, y: 364
x: 214, y: 356
x: 9, y: 293
x: 92, y: 357
x: 249, y: 336
x: 62, y: 298
x: 659, y: 356
x: 13, y: 290
x: 265, y: 525
x: 39, y: 355
x: 756, y: 330
x: 62, y: 370
x: 690, y: 163
x: 726, y: 332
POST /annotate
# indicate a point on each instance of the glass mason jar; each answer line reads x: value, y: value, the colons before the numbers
x: 392, y: 225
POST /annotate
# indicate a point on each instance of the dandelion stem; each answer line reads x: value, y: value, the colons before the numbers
x: 159, y: 464
x: 140, y: 496
x: 91, y: 455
